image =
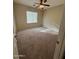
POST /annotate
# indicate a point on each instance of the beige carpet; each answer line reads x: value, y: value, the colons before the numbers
x: 36, y: 45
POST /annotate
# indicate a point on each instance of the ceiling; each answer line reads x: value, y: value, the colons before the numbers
x: 32, y: 2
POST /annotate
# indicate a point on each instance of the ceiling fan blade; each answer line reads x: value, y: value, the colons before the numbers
x: 41, y: 1
x: 37, y: 6
x: 45, y: 4
x: 45, y: 1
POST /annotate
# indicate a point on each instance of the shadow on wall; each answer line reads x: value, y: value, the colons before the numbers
x: 53, y: 16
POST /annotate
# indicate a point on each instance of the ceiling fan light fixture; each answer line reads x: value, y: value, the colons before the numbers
x: 41, y: 6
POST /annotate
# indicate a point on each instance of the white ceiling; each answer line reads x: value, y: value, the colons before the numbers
x: 32, y: 2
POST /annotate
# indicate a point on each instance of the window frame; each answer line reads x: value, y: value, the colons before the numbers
x: 36, y: 17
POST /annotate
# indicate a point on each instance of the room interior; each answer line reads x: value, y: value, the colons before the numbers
x: 36, y: 28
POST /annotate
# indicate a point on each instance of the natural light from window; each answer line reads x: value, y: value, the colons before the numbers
x: 31, y: 17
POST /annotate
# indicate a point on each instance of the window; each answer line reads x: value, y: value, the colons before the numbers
x: 31, y: 17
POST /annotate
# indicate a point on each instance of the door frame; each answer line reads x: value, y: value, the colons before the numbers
x: 60, y: 45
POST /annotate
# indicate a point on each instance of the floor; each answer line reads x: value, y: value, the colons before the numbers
x: 36, y: 44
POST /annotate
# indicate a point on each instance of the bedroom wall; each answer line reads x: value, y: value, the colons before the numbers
x: 20, y: 17
x: 53, y: 16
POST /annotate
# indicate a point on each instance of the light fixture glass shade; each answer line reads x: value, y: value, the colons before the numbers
x: 41, y: 6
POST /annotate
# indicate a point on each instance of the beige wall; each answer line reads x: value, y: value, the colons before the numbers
x: 20, y: 17
x: 53, y: 16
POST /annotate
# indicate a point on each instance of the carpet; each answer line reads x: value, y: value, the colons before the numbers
x: 36, y: 45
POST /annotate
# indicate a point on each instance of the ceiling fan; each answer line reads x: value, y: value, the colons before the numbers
x: 42, y: 4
